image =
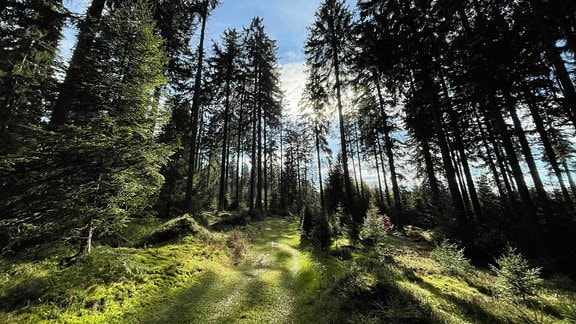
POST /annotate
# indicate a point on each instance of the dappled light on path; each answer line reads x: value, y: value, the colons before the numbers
x: 262, y: 289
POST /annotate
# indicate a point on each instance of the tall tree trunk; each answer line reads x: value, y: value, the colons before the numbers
x: 223, y: 164
x: 461, y: 182
x: 378, y: 173
x: 567, y: 86
x: 548, y: 148
x: 500, y: 158
x: 253, y: 163
x: 432, y: 181
x: 504, y: 195
x: 239, y: 150
x: 460, y: 148
x: 359, y: 164
x: 527, y: 152
x: 459, y: 210
x: 354, y: 172
x: 259, y: 184
x: 71, y: 84
x: 281, y: 185
x: 195, y: 114
x: 254, y: 157
x: 343, y: 144
x: 527, y: 203
x: 383, y: 165
x: 323, y: 219
x: 554, y: 56
x: 266, y: 156
x: 389, y: 147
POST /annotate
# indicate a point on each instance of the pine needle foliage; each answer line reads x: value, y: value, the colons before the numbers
x: 451, y: 258
x: 515, y: 279
x: 375, y: 227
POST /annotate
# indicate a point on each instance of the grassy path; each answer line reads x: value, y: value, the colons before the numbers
x: 192, y: 280
x: 275, y: 284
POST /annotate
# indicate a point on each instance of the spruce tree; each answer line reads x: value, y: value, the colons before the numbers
x: 327, y: 49
x: 89, y: 178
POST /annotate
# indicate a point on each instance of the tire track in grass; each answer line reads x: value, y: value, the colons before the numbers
x: 261, y: 290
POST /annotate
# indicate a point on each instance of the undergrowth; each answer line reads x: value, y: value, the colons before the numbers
x: 109, y: 285
x: 262, y: 272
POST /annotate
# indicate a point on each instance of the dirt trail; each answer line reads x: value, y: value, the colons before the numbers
x: 268, y: 287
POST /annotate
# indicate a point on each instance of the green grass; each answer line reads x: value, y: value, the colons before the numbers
x: 262, y: 273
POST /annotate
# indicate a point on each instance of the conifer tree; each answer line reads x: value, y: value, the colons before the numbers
x: 265, y: 103
x: 89, y: 178
x: 327, y: 49
x: 226, y: 67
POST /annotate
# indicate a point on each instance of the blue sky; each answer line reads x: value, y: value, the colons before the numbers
x: 284, y: 20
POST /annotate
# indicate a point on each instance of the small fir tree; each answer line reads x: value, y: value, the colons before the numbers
x: 375, y: 227
x: 451, y: 258
x: 515, y: 278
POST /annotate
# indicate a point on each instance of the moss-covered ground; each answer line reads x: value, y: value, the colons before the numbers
x: 263, y: 273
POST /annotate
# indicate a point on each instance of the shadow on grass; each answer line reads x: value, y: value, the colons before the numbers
x: 471, y: 309
x: 48, y: 283
x: 262, y: 289
x: 30, y: 292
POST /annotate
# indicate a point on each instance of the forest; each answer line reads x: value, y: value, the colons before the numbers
x: 155, y: 175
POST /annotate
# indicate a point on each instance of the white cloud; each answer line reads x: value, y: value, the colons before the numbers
x: 294, y: 57
x: 293, y: 79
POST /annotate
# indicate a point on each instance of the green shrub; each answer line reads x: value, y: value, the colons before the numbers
x: 307, y: 221
x: 451, y: 258
x: 514, y: 277
x: 375, y: 227
x: 321, y: 235
x: 335, y: 221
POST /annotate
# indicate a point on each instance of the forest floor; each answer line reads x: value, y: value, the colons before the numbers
x: 263, y: 273
x: 274, y: 284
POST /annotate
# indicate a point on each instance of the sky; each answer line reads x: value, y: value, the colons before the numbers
x: 285, y: 21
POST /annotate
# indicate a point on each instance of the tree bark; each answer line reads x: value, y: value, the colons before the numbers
x: 259, y: 183
x: 195, y: 115
x: 527, y: 203
x: 504, y: 195
x: 432, y: 181
x: 378, y: 173
x: 383, y: 165
x: 554, y: 56
x: 265, y: 169
x: 527, y: 152
x: 388, y: 146
x: 223, y: 164
x: 472, y: 193
x: 253, y: 161
x: 343, y: 143
x: 459, y: 210
x: 548, y: 148
x: 344, y: 150
x: 239, y: 150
